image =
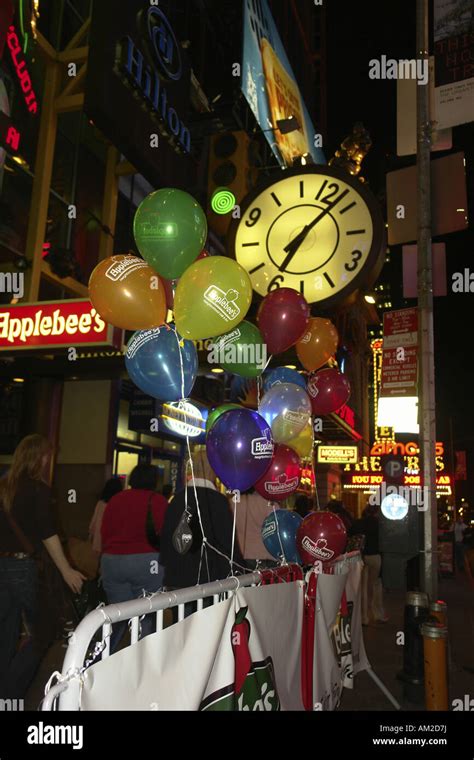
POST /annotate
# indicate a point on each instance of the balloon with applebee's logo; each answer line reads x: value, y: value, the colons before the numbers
x: 321, y: 537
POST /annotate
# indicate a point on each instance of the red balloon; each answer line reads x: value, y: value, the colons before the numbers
x: 203, y: 255
x: 282, y: 477
x: 169, y: 291
x: 282, y: 318
x: 328, y: 390
x: 321, y: 537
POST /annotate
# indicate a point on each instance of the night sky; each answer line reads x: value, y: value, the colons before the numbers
x: 358, y: 32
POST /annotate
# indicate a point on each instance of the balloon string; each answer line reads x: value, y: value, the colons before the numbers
x: 233, y: 534
x: 268, y: 362
x: 278, y: 533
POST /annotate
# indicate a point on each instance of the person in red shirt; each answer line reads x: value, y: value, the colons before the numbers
x: 130, y: 563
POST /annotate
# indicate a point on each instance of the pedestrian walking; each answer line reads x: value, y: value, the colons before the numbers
x: 27, y: 591
x: 251, y: 511
x: 112, y: 487
x: 372, y: 590
x: 131, y: 530
x: 459, y: 548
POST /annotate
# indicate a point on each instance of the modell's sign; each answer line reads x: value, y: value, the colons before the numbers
x: 52, y: 324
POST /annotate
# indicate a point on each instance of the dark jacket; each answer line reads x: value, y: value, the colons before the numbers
x: 368, y: 527
x: 182, y: 570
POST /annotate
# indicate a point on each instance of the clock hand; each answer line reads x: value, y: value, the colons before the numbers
x: 293, y: 246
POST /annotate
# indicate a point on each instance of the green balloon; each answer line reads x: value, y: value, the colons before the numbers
x: 241, y: 351
x: 214, y: 414
x: 170, y: 229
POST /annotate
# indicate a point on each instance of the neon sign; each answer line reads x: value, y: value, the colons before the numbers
x: 21, y: 71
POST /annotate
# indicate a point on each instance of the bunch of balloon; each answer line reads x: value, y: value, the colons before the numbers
x: 127, y: 293
x: 279, y: 531
x: 170, y: 229
x: 239, y: 448
x: 321, y: 537
x: 328, y: 390
x: 282, y: 318
x: 287, y: 408
x: 161, y: 363
x: 282, y: 477
x: 318, y: 344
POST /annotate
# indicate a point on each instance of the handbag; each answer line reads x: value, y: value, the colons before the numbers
x: 152, y: 536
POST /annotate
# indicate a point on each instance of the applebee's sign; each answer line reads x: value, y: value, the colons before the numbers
x: 55, y: 324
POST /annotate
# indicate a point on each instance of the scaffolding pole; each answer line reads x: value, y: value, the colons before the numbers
x: 427, y: 411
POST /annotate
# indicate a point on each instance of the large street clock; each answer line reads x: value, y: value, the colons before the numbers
x: 316, y: 229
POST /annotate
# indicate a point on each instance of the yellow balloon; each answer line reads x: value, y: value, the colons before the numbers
x: 303, y: 443
x: 213, y: 296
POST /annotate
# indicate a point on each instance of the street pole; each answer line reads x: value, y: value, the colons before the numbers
x: 426, y: 384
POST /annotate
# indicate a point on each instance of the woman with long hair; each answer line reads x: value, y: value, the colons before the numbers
x: 26, y: 525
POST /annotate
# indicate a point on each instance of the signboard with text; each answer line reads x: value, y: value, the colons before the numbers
x: 400, y: 353
x: 138, y: 86
x: 55, y: 324
x: 454, y: 62
x: 337, y: 454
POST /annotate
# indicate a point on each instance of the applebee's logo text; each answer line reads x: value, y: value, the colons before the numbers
x: 294, y: 416
x: 223, y: 303
x: 12, y: 328
x: 120, y: 270
x: 284, y: 485
x: 317, y: 548
x: 140, y: 339
x: 262, y: 448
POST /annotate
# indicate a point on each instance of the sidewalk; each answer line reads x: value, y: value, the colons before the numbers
x: 386, y: 657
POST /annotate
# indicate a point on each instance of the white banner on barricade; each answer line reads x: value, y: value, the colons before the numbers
x: 240, y: 654
x: 339, y: 651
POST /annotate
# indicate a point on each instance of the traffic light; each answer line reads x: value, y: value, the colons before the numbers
x: 229, y: 169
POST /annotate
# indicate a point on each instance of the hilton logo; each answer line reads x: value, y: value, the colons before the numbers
x: 163, y: 53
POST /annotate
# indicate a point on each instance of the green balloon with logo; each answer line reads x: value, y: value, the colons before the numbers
x: 214, y: 414
x: 241, y: 351
x: 170, y: 229
x: 212, y: 297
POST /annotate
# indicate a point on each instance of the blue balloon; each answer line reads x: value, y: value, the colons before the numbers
x: 283, y: 375
x: 240, y: 448
x: 279, y: 534
x: 153, y: 363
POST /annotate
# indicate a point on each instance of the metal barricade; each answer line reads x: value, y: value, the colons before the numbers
x: 65, y: 695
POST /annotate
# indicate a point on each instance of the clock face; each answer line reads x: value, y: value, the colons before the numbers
x: 317, y: 230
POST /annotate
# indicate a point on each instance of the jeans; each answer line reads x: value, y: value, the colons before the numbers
x: 125, y: 577
x: 18, y: 599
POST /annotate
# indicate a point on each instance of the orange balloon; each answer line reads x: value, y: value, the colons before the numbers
x: 127, y: 293
x: 318, y: 343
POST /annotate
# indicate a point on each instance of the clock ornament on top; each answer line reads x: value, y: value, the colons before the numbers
x: 316, y: 229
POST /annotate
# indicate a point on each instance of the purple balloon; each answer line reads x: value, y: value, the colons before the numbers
x: 240, y: 448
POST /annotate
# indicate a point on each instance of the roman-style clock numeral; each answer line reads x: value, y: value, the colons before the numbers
x: 328, y: 280
x: 276, y: 199
x: 347, y: 208
x: 302, y: 287
x: 255, y: 269
x: 301, y: 189
x: 355, y: 232
x: 248, y: 245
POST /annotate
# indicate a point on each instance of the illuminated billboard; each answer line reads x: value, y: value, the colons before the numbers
x: 270, y: 87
